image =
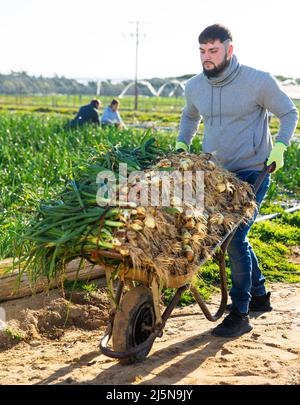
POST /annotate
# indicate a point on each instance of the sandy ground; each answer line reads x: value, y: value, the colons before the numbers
x: 186, y: 354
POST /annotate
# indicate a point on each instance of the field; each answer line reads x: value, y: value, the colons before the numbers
x: 38, y: 155
x: 53, y: 338
x: 153, y: 109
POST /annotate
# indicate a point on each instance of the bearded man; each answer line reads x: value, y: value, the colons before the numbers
x: 234, y: 101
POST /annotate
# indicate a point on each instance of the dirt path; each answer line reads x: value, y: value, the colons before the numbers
x: 186, y: 354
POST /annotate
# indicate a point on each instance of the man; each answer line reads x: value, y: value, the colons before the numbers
x: 87, y: 114
x: 111, y: 115
x: 233, y: 100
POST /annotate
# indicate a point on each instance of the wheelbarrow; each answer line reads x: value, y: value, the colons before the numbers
x: 135, y: 319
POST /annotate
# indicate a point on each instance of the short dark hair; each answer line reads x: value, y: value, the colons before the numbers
x: 96, y: 102
x: 214, y: 32
x: 115, y: 101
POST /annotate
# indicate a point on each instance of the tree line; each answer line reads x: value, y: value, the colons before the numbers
x: 21, y: 83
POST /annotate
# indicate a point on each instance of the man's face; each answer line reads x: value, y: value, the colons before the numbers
x: 114, y: 107
x: 215, y: 57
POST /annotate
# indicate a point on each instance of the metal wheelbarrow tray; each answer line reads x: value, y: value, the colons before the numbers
x: 135, y: 319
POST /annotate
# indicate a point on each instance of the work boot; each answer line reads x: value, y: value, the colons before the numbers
x: 258, y: 303
x: 234, y: 324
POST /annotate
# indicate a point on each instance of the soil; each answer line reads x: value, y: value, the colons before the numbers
x: 53, y: 351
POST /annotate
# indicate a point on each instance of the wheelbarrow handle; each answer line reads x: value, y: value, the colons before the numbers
x: 271, y: 167
x: 267, y: 169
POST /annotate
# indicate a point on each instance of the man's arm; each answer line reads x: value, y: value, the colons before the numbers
x: 95, y: 118
x: 120, y: 121
x: 190, y: 120
x: 118, y: 117
x: 275, y: 100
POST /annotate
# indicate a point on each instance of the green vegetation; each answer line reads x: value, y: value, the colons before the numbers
x: 272, y: 242
x: 38, y: 155
x: 20, y: 84
x: 278, y: 231
x: 80, y: 285
x: 63, y: 104
x: 67, y: 226
x: 13, y: 334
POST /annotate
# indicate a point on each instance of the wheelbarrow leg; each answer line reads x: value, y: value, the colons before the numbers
x: 108, y: 332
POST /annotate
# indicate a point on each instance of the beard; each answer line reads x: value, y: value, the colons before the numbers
x: 217, y: 68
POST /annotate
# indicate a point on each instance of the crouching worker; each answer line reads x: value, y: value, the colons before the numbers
x: 233, y: 100
x: 87, y: 114
x: 111, y: 115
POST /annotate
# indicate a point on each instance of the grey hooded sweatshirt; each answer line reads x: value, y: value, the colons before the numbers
x: 234, y: 107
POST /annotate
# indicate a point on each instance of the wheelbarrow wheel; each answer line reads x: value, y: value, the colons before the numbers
x: 133, y: 322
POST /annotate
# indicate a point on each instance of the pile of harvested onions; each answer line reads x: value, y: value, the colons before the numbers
x: 169, y: 241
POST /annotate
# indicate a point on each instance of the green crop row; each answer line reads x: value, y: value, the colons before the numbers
x: 38, y: 154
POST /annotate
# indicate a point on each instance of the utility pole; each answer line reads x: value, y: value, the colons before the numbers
x: 137, y: 37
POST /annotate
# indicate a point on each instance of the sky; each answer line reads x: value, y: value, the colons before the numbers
x: 93, y: 38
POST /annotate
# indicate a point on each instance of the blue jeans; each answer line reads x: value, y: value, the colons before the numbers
x: 246, y: 276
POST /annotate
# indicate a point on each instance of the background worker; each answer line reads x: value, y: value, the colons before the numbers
x: 111, y: 115
x: 233, y: 100
x: 87, y: 114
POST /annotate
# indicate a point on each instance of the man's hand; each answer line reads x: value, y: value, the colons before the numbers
x: 276, y: 155
x: 181, y: 147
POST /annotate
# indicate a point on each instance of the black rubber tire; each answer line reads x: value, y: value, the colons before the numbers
x: 136, y: 306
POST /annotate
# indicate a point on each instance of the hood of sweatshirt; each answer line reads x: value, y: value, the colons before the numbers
x: 227, y: 75
x: 220, y: 81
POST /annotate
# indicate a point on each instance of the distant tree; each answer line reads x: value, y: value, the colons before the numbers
x: 23, y: 83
